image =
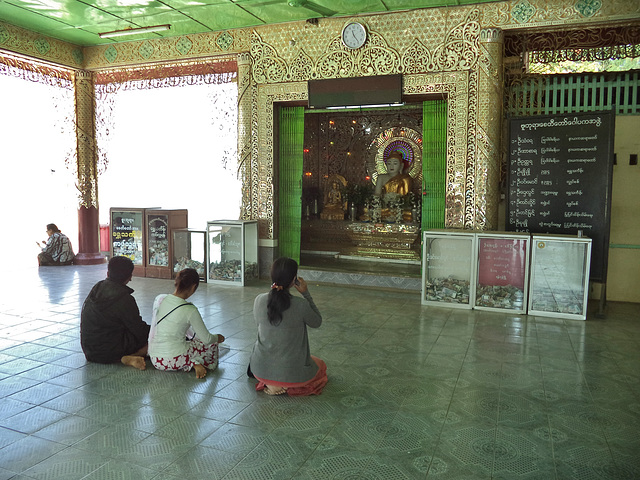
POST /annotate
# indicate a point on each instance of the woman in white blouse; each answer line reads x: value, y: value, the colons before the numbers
x: 179, y: 339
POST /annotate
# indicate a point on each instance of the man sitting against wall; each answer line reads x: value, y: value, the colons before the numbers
x: 111, y: 328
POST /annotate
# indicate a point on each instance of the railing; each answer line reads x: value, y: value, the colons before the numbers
x: 570, y: 93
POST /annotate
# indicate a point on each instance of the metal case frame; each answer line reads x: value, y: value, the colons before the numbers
x: 468, y: 265
x: 247, y: 228
x: 554, y: 276
x: 500, y: 252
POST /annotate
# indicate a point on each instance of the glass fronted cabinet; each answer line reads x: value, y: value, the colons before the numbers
x: 448, y: 268
x: 559, y: 285
x: 189, y: 251
x: 128, y: 236
x: 232, y: 251
x: 502, y: 271
x: 160, y: 224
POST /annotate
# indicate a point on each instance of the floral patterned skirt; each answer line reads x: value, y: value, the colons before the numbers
x: 197, y: 353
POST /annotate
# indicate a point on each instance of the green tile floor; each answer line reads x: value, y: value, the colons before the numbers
x: 414, y: 392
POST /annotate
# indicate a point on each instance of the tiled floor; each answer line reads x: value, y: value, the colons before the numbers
x: 413, y: 393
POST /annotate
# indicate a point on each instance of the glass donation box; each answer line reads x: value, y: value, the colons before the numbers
x: 189, y: 251
x: 232, y: 251
x: 559, y: 285
x: 159, y: 226
x: 127, y: 236
x: 502, y: 271
x: 448, y: 268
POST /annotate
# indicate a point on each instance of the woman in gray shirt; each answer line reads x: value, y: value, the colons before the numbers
x: 281, y: 360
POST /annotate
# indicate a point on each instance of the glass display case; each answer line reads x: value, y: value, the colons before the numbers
x: 232, y: 251
x: 448, y: 268
x: 189, y: 251
x: 127, y: 236
x: 502, y: 271
x: 160, y: 224
x: 559, y: 283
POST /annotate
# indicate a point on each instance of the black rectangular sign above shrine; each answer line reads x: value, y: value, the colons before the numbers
x: 559, y: 178
x: 358, y: 91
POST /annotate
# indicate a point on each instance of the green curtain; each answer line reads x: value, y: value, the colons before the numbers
x: 291, y: 122
x: 434, y: 163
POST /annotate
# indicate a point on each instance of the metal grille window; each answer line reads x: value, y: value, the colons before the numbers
x: 543, y: 94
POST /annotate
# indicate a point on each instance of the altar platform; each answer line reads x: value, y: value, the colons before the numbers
x: 337, y: 269
x: 361, y: 254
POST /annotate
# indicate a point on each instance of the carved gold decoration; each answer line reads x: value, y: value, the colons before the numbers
x: 267, y: 67
x: 87, y: 151
x: 388, y: 241
x: 22, y: 41
x: 262, y: 154
x: 489, y: 133
x: 168, y: 49
x: 458, y: 51
x: 580, y: 44
x: 456, y: 86
x: 28, y: 69
x: 544, y: 13
x: 246, y: 100
x: 221, y: 69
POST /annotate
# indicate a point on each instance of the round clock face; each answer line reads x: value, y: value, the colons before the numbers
x: 354, y: 35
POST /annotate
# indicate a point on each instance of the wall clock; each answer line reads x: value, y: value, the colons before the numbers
x: 354, y: 35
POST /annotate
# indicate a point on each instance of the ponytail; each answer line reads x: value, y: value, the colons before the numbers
x: 283, y: 272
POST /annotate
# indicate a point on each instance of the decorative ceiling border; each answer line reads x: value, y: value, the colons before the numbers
x: 584, y: 44
x: 25, y: 42
x: 218, y: 65
x: 28, y: 69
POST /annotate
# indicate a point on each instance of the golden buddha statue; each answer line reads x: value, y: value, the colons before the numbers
x: 334, y: 206
x: 398, y: 184
x: 394, y: 181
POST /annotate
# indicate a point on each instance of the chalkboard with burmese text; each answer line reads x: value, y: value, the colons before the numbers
x: 560, y: 171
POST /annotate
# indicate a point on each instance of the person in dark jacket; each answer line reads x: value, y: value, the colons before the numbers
x: 111, y: 328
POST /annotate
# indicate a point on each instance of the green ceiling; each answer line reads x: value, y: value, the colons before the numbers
x: 79, y: 22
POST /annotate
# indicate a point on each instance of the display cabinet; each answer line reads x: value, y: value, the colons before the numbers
x: 128, y: 236
x: 189, y: 251
x: 159, y: 224
x: 448, y: 268
x: 232, y: 251
x: 502, y: 271
x: 559, y: 284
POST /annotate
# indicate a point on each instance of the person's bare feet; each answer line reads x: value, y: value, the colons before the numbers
x: 272, y: 390
x: 201, y: 372
x: 134, y: 361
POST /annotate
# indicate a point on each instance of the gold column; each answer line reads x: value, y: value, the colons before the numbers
x: 245, y: 95
x: 88, y: 222
x: 490, y: 103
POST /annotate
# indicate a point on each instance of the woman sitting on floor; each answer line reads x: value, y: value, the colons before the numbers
x: 57, y: 250
x: 281, y: 360
x: 179, y: 339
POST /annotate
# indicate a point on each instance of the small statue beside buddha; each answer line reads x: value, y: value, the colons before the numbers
x: 334, y: 206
